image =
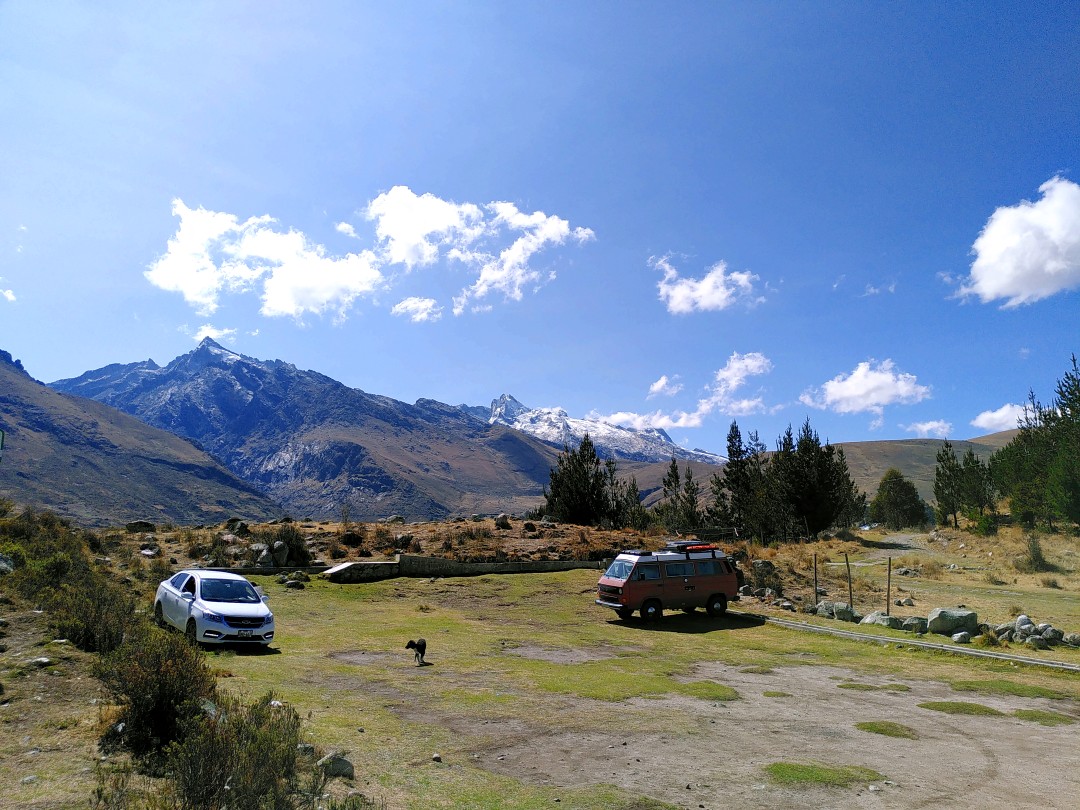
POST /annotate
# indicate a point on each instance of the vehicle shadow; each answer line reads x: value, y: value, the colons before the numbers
x: 696, y: 622
x: 243, y: 649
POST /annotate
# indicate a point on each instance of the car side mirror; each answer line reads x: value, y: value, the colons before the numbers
x: 189, y: 596
x: 266, y: 597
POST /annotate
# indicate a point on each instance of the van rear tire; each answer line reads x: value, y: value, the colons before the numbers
x: 652, y: 611
x: 717, y: 605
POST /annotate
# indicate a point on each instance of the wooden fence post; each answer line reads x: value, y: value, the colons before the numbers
x: 850, y: 597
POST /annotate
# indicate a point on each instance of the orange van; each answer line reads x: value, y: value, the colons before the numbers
x: 681, y: 576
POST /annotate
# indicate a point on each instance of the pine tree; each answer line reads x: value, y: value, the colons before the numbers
x: 577, y: 492
x: 947, y: 485
x: 897, y: 503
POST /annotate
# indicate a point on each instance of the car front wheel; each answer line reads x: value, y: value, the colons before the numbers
x: 191, y: 631
x: 159, y: 616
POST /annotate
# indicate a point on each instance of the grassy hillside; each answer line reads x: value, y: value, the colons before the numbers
x: 97, y: 466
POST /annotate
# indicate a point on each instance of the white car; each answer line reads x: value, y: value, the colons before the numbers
x: 214, y: 607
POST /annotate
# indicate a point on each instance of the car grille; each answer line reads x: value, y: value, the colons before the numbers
x: 607, y: 590
x: 244, y: 621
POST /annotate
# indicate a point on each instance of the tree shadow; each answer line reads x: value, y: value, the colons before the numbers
x: 898, y: 545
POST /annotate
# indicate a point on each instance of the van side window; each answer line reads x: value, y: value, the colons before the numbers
x: 679, y: 569
x: 707, y: 567
x: 648, y: 572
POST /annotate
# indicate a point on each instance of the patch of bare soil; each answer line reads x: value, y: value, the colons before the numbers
x: 957, y: 761
x: 567, y: 655
x: 49, y: 716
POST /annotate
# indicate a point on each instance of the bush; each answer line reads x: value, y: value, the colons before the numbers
x: 983, y: 525
x: 158, y: 679
x: 242, y: 757
x: 95, y: 615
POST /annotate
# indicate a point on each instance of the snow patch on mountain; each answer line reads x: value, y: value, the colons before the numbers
x: 557, y: 427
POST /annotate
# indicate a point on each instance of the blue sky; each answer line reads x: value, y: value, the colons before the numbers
x: 669, y: 214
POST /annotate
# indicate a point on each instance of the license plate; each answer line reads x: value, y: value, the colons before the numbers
x: 244, y: 633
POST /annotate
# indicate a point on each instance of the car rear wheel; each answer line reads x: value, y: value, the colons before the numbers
x: 717, y: 605
x: 159, y: 616
x: 652, y: 611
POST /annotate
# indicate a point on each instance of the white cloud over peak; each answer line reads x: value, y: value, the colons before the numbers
x: 1029, y: 251
x: 212, y: 332
x: 7, y: 295
x: 869, y: 388
x: 418, y: 310
x: 937, y: 427
x: 716, y: 290
x: 1004, y: 418
x: 665, y: 387
x: 720, y: 398
x: 213, y: 253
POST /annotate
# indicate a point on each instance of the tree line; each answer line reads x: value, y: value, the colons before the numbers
x: 804, y: 487
x: 799, y: 490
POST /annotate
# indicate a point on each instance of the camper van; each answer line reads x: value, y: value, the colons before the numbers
x: 681, y: 576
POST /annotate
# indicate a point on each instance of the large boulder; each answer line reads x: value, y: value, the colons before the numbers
x: 947, y: 621
x: 914, y: 624
x: 883, y: 619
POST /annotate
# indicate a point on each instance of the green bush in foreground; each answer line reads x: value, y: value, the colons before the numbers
x: 159, y: 681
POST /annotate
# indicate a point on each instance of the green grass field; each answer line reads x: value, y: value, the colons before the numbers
x: 529, y: 651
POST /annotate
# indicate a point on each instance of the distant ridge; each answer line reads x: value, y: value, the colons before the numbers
x: 556, y: 427
x: 318, y: 446
x: 97, y: 466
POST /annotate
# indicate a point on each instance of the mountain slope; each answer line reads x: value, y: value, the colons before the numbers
x: 554, y: 426
x: 97, y: 466
x: 317, y: 445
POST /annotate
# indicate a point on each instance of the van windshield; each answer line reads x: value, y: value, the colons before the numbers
x: 620, y: 569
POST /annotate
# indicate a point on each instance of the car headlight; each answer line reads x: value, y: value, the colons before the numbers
x: 212, y: 617
x: 269, y: 618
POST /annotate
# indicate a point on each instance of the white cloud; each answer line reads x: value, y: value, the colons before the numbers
x: 867, y: 389
x: 418, y: 310
x: 716, y: 291
x: 213, y: 253
x: 936, y: 427
x: 665, y: 387
x: 1029, y: 251
x: 1004, y: 418
x: 412, y: 228
x: 719, y: 398
x: 8, y: 295
x: 212, y: 332
x: 510, y: 272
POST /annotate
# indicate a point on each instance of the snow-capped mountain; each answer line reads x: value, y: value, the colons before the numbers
x: 555, y: 426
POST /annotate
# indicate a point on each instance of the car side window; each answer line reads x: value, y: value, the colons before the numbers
x: 708, y: 567
x: 178, y: 580
x: 679, y: 569
x: 648, y: 572
x: 189, y: 586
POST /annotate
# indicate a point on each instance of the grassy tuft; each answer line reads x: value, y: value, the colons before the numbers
x: 774, y: 694
x: 869, y: 687
x: 961, y: 707
x: 1044, y: 718
x: 1000, y: 686
x: 816, y: 773
x: 888, y: 728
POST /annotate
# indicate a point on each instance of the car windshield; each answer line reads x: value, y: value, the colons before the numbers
x: 620, y: 569
x: 229, y: 590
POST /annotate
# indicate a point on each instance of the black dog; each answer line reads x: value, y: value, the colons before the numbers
x: 420, y: 647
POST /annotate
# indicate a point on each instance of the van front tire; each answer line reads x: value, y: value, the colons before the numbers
x: 717, y: 605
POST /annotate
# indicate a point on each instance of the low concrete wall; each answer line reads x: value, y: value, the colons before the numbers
x: 414, y: 565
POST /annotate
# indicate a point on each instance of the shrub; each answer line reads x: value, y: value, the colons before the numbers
x: 95, y: 615
x: 243, y: 757
x: 1050, y: 582
x: 158, y: 679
